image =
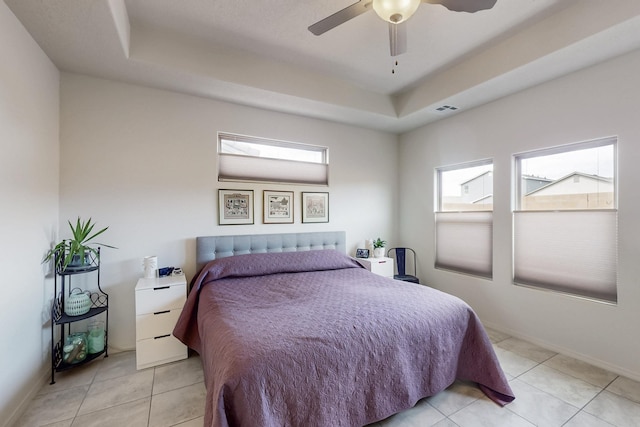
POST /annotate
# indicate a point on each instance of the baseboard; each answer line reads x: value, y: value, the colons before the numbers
x: 33, y: 391
x: 566, y: 351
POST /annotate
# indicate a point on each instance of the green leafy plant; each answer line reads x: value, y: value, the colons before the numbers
x: 379, y: 243
x: 75, y: 249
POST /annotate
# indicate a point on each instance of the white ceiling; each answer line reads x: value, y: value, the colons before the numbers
x: 260, y: 53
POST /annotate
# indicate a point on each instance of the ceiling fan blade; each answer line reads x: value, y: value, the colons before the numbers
x: 470, y: 6
x: 398, y: 38
x: 340, y: 17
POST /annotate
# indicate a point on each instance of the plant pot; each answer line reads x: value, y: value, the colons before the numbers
x: 378, y: 252
x: 79, y: 262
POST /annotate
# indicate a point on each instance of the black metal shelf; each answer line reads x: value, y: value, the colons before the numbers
x: 69, y: 271
x: 61, y: 321
x: 60, y: 365
x: 65, y: 318
x: 91, y: 263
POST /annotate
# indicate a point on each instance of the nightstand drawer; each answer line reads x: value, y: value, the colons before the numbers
x: 381, y: 266
x: 155, y: 351
x: 159, y: 302
x: 156, y: 324
x: 160, y: 298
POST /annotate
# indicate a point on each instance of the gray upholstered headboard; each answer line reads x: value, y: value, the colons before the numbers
x: 211, y: 247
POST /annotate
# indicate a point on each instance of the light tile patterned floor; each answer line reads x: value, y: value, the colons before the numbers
x: 551, y: 390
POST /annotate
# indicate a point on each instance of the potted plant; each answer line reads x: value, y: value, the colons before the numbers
x: 378, y: 247
x: 77, y: 252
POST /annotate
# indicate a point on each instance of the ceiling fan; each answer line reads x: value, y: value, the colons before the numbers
x: 396, y: 13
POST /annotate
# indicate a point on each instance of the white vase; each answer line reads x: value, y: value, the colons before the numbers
x: 368, y: 244
x: 378, y: 252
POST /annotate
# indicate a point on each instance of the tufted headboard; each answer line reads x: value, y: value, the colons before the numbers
x: 211, y: 247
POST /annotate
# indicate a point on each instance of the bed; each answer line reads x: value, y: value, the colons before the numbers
x: 293, y: 332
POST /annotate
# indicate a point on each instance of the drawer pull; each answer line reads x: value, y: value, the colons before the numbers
x: 161, y: 287
x: 161, y: 336
x: 382, y: 262
x: 162, y: 312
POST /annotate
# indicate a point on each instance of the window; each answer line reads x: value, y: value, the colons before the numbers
x: 565, y: 219
x: 245, y: 158
x: 464, y: 218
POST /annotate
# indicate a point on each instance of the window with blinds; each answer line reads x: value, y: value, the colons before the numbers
x: 464, y: 218
x: 246, y: 158
x: 565, y: 220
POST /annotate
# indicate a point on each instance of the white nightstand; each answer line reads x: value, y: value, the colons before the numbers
x: 381, y: 266
x: 159, y: 302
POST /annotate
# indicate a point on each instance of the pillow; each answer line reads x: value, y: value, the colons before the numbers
x: 277, y: 262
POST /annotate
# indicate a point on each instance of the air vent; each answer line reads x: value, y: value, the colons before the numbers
x: 446, y: 108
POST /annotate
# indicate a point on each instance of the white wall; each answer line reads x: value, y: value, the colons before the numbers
x: 143, y: 162
x: 597, y: 102
x: 29, y: 215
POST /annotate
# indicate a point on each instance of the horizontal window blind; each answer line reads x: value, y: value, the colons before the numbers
x: 464, y: 242
x: 271, y: 148
x: 246, y: 168
x: 248, y: 158
x: 568, y: 251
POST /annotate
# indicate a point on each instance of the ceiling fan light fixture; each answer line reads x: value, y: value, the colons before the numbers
x: 395, y: 11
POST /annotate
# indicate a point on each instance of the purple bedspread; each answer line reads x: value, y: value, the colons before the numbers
x: 312, y: 339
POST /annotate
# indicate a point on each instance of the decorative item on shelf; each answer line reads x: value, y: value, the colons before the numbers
x: 378, y: 247
x: 368, y: 244
x: 362, y: 253
x: 96, y: 336
x: 77, y: 303
x: 75, y: 348
x: 170, y: 271
x: 77, y: 253
x: 150, y: 264
x: 165, y: 271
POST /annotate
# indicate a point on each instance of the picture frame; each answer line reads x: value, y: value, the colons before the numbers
x: 315, y: 207
x: 277, y: 207
x: 362, y: 253
x: 235, y: 207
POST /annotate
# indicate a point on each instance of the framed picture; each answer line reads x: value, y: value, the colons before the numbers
x: 278, y: 207
x: 315, y: 207
x: 362, y: 253
x: 235, y: 207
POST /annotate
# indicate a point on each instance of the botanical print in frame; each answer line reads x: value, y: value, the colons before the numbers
x: 315, y: 207
x: 278, y: 207
x: 235, y: 207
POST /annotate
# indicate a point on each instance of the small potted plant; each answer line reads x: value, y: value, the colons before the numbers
x: 378, y: 247
x: 75, y: 253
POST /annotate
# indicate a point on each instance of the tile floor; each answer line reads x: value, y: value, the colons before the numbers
x: 551, y: 390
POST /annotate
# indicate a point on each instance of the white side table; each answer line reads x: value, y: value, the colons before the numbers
x: 159, y: 302
x: 381, y: 266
